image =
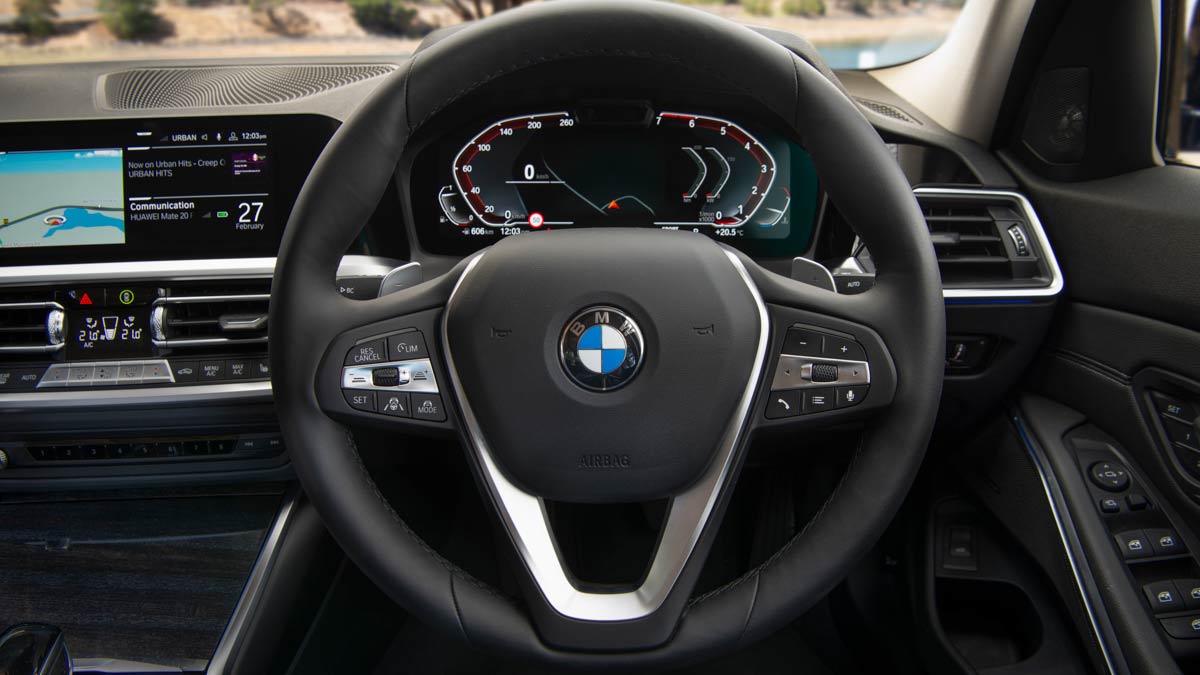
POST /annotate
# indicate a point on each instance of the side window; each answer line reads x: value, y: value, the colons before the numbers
x: 1182, y: 116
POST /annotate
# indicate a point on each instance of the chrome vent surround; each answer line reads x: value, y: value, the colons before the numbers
x: 30, y: 324
x: 988, y: 241
x: 207, y: 316
x: 220, y: 86
x: 887, y: 110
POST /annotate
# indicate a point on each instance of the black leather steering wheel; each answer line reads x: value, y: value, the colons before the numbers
x: 712, y: 326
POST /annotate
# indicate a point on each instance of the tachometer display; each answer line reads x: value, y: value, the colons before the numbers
x: 684, y: 170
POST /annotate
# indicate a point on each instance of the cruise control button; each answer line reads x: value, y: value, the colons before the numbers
x: 851, y: 396
x: 428, y: 407
x: 373, y: 351
x: 360, y: 400
x: 407, y: 346
x: 842, y: 348
x: 783, y: 404
x: 802, y: 342
x: 1163, y: 597
x: 818, y: 400
x: 386, y: 377
x: 185, y: 371
x: 1182, y: 627
x: 1165, y: 542
x: 396, y: 405
x: 1109, y: 476
x: 1134, y: 544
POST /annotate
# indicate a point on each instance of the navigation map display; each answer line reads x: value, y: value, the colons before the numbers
x: 61, y: 198
x: 88, y: 191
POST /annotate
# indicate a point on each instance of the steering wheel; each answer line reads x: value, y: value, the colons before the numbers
x: 607, y: 365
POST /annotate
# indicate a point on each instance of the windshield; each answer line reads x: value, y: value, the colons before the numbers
x: 849, y: 33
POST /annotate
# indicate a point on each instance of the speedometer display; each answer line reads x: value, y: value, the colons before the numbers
x: 669, y: 170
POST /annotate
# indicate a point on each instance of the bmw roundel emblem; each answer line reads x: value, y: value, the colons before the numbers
x: 601, y: 348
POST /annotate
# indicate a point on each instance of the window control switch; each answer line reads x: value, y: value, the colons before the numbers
x: 1163, y: 597
x: 1134, y: 545
x: 1165, y: 542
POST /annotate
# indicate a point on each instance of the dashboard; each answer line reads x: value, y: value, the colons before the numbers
x: 616, y: 164
x: 137, y: 247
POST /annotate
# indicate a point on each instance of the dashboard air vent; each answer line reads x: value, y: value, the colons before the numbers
x: 219, y: 86
x: 30, y: 324
x: 983, y: 242
x: 212, y: 316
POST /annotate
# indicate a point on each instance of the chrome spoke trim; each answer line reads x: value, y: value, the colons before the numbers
x: 524, y: 515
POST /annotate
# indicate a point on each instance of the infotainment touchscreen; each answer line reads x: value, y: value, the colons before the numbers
x: 165, y: 189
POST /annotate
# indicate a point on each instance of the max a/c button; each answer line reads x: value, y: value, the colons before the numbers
x: 360, y: 400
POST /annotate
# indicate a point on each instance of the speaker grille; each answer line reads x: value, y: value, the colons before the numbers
x: 886, y: 110
x: 220, y: 86
x: 1056, y: 127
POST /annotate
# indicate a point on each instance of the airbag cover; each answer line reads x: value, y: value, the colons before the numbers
x: 648, y: 439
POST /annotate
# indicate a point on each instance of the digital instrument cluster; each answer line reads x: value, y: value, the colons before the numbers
x: 664, y: 169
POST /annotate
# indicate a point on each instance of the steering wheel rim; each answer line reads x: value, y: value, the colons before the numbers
x: 903, y: 313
